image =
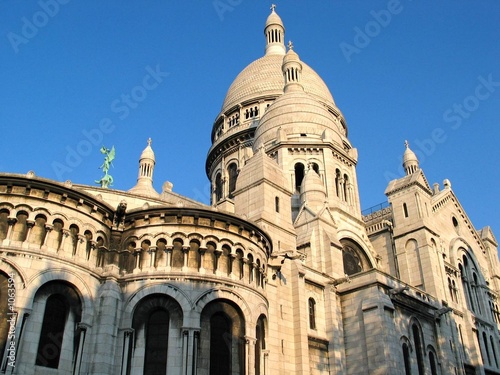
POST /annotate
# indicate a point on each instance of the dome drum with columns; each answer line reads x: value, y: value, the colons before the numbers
x: 280, y: 274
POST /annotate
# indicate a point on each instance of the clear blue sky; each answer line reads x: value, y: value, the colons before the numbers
x: 428, y: 72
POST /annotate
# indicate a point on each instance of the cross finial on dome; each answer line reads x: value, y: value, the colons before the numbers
x: 273, y: 7
x: 290, y: 44
x: 150, y: 141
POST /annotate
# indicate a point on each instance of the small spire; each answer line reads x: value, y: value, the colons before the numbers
x: 274, y: 32
x: 292, y: 70
x: 410, y: 160
x: 144, y: 185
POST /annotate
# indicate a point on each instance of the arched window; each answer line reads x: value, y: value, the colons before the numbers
x: 73, y: 229
x: 299, y: 176
x: 338, y: 179
x: 4, y: 224
x: 346, y: 188
x: 475, y: 288
x: 432, y: 363
x: 260, y: 345
x: 451, y: 290
x: 470, y: 283
x: 455, y: 224
x: 312, y: 313
x: 39, y: 231
x: 232, y: 171
x: 485, y: 342
x: 155, y: 361
x: 60, y: 309
x: 156, y: 317
x: 417, y: 343
x: 493, y: 349
x: 218, y: 187
x: 353, y: 257
x: 406, y: 359
x: 20, y: 227
x: 315, y: 168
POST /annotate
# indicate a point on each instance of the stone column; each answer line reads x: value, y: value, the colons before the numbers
x: 48, y: 229
x: 232, y: 257
x: 29, y: 224
x: 196, y: 341
x: 65, y: 235
x: 128, y: 336
x: 84, y: 328
x: 168, y: 257
x: 202, y: 249
x: 185, y: 254
x: 108, y: 310
x: 265, y: 371
x: 250, y: 355
x: 217, y: 254
x: 137, y: 254
x: 11, y: 221
x: 19, y: 324
x: 185, y: 351
x: 152, y: 260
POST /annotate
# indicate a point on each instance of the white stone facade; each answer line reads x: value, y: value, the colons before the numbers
x: 282, y: 274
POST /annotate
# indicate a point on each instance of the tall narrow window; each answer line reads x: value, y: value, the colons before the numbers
x: 418, y: 349
x: 346, y: 188
x: 218, y: 187
x: 406, y: 358
x: 260, y: 345
x: 220, y: 344
x: 405, y: 210
x: 475, y: 288
x: 337, y: 182
x: 485, y: 342
x: 4, y: 224
x: 299, y: 176
x: 155, y: 361
x: 51, y: 337
x: 277, y: 204
x: 232, y: 171
x: 492, y: 342
x: 432, y: 362
x: 312, y: 313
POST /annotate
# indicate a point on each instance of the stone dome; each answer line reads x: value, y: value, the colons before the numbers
x: 264, y: 78
x: 274, y: 19
x: 297, y: 113
x: 148, y: 153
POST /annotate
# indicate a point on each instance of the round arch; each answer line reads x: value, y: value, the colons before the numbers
x: 68, y: 276
x: 165, y: 289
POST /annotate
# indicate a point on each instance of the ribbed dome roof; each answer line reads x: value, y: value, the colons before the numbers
x: 264, y: 77
x: 299, y: 111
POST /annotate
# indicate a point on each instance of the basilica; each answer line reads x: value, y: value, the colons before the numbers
x: 281, y: 274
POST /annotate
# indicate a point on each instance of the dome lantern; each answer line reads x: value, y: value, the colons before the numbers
x: 410, y: 160
x: 292, y: 70
x: 275, y: 34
